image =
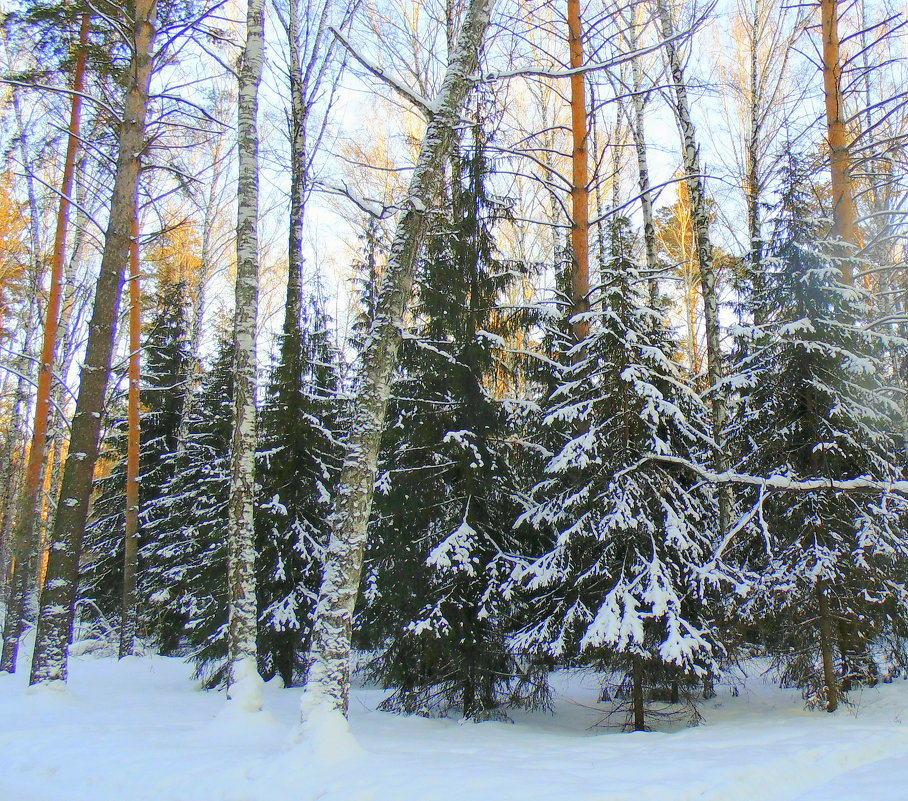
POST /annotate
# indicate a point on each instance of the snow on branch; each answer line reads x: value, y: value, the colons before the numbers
x: 785, y: 483
x: 379, y: 72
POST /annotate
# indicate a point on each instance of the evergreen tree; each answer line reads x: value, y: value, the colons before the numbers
x: 165, y: 352
x: 185, y: 533
x: 446, y: 496
x: 814, y: 405
x: 298, y: 460
x: 623, y: 581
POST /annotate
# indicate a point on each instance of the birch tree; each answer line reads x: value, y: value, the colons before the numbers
x: 328, y: 679
x: 243, y: 677
x: 690, y: 152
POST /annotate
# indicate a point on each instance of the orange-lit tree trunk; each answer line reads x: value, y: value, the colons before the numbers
x: 580, y: 201
x: 843, y: 210
x: 26, y: 528
x: 131, y: 543
x: 58, y: 595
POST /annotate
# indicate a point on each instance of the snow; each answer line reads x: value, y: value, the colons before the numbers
x: 140, y: 729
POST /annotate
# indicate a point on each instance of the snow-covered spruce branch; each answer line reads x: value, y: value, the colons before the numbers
x: 395, y: 83
x: 780, y: 483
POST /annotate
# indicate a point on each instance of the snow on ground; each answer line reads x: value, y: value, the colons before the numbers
x: 141, y: 729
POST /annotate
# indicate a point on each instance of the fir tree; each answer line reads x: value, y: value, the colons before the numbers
x: 446, y: 496
x: 298, y: 460
x: 814, y: 405
x: 186, y: 529
x: 165, y: 353
x: 623, y: 581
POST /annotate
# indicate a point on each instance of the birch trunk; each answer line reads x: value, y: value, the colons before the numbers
x: 133, y: 440
x: 328, y: 680
x: 700, y: 214
x: 243, y: 677
x: 25, y: 542
x: 638, y: 129
x: 58, y: 596
x: 752, y: 166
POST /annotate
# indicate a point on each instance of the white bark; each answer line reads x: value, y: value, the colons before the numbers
x: 694, y: 178
x: 243, y: 682
x: 328, y: 680
x: 639, y: 134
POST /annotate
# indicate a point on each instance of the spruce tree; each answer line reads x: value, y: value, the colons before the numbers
x: 185, y: 529
x: 298, y: 461
x: 165, y: 352
x: 446, y: 495
x: 814, y: 404
x: 624, y: 579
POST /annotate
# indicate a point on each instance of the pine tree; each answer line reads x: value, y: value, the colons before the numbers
x: 625, y: 577
x: 446, y: 501
x: 814, y: 405
x: 298, y: 461
x: 165, y: 352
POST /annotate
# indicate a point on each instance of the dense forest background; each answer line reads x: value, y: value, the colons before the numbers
x: 461, y: 340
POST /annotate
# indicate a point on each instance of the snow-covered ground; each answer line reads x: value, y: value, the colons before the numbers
x: 141, y: 729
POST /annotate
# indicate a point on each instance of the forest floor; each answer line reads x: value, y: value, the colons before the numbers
x: 141, y: 729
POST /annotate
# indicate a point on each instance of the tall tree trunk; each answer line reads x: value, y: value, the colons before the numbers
x: 580, y: 201
x: 754, y: 189
x: 638, y: 130
x: 299, y: 180
x: 243, y: 677
x: 133, y: 442
x: 26, y: 524
x: 58, y: 595
x: 700, y: 212
x: 843, y: 210
x: 328, y: 679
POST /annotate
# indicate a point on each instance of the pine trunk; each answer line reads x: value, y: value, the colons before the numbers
x: 843, y: 209
x: 240, y: 532
x: 298, y: 182
x: 58, y: 595
x: 580, y: 200
x: 328, y: 679
x: 133, y: 442
x: 25, y: 544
